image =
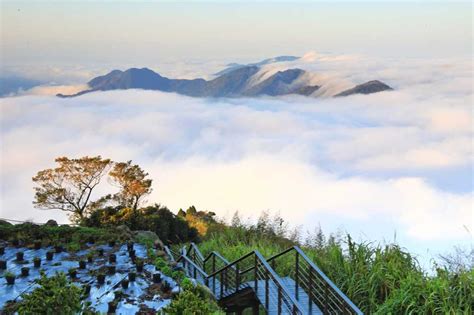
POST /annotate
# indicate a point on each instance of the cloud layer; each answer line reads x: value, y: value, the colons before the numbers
x: 354, y: 162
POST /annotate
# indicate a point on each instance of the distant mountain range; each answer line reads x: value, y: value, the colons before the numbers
x: 235, y: 81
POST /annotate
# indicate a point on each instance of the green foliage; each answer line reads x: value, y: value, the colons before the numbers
x: 193, y: 300
x: 187, y: 284
x: 160, y: 263
x: 178, y: 276
x: 378, y: 279
x: 72, y: 236
x: 167, y: 271
x: 73, y: 247
x: 169, y: 227
x: 8, y: 274
x: 55, y: 295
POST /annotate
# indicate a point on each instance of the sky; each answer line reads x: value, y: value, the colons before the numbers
x: 134, y: 32
x: 389, y: 166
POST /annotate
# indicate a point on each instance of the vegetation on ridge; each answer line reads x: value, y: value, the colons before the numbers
x: 379, y: 279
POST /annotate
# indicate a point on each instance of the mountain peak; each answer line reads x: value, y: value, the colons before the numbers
x: 369, y: 87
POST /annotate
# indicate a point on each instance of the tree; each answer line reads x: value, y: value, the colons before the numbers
x: 133, y: 184
x: 69, y: 186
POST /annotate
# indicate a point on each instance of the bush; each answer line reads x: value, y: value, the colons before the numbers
x: 28, y: 233
x: 55, y: 295
x: 169, y: 227
x: 193, y: 300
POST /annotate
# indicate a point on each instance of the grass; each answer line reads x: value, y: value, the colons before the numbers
x: 379, y: 279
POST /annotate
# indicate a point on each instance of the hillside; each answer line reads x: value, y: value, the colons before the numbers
x: 146, y: 276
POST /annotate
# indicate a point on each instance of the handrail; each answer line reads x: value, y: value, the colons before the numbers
x: 337, y: 291
x: 169, y: 252
x: 273, y: 274
x: 196, y: 250
x: 328, y: 281
x: 319, y: 288
x: 277, y: 279
x: 193, y: 264
x: 232, y: 263
x: 217, y: 255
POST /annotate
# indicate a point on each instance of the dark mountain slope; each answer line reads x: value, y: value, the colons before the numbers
x: 366, y: 88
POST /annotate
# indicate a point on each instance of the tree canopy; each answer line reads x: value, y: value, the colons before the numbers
x: 70, y: 185
x: 133, y: 184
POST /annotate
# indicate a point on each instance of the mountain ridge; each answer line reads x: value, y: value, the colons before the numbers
x: 239, y: 82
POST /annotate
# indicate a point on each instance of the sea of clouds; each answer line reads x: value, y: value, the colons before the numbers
x: 397, y: 162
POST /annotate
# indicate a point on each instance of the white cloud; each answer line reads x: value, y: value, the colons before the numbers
x: 56, y: 89
x: 350, y: 159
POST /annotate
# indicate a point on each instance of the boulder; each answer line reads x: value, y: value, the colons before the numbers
x: 51, y: 223
x: 150, y: 236
x: 124, y: 231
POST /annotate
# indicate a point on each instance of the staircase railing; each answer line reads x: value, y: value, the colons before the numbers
x: 193, y: 270
x: 252, y: 270
x: 264, y: 276
x: 319, y: 288
x: 195, y: 254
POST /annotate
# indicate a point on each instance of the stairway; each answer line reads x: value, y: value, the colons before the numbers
x: 302, y: 289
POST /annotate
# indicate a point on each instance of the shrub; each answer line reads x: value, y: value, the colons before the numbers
x: 160, y: 263
x: 55, y: 295
x: 169, y: 227
x: 193, y: 300
x: 29, y: 233
x: 178, y: 276
x: 167, y: 271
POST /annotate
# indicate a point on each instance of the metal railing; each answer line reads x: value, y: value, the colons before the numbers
x: 253, y: 271
x: 319, y: 289
x: 268, y: 278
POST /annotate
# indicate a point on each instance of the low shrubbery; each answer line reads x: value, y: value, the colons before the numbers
x: 193, y: 299
x: 28, y: 233
x: 169, y: 227
x: 55, y: 295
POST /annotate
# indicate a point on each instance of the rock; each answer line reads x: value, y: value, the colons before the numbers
x: 161, y: 253
x: 158, y: 244
x: 51, y: 223
x: 150, y: 236
x: 124, y: 231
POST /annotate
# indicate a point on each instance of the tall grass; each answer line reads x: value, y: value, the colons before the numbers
x: 379, y: 279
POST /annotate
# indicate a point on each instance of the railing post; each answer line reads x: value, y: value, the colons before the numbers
x: 237, y: 277
x: 222, y: 283
x: 297, y: 273
x: 279, y: 300
x: 266, y: 290
x: 214, y: 277
x: 255, y: 276
x: 310, y: 289
x: 326, y: 294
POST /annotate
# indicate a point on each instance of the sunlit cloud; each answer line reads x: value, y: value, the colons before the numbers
x: 347, y: 160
